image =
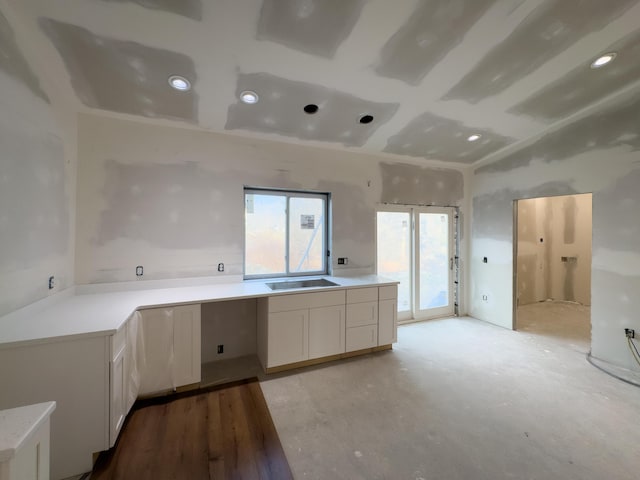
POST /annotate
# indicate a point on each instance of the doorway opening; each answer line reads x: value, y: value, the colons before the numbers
x: 417, y: 246
x: 552, y: 268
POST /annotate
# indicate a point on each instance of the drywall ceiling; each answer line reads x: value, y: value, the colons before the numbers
x: 430, y: 72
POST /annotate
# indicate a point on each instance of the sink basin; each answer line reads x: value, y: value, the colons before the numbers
x: 287, y: 284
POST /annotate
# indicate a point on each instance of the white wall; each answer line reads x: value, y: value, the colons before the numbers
x: 37, y: 172
x: 549, y: 229
x: 171, y: 199
x: 599, y: 154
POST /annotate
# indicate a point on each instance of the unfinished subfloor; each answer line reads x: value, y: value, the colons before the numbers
x: 458, y: 399
x: 566, y: 322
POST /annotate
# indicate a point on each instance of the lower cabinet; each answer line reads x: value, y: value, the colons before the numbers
x: 362, y: 319
x: 326, y: 331
x: 288, y: 337
x: 298, y: 327
x: 388, y: 315
x: 169, y: 349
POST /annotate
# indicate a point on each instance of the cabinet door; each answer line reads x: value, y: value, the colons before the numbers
x: 186, y: 345
x: 326, y: 331
x: 387, y: 322
x: 359, y: 338
x: 288, y: 340
x: 155, y: 355
x: 117, y: 405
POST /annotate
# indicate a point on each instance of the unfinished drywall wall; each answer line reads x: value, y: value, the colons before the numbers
x: 599, y: 155
x: 554, y: 249
x: 231, y: 324
x: 35, y: 184
x: 172, y: 199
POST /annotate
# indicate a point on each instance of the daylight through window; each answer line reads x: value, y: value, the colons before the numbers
x: 286, y: 233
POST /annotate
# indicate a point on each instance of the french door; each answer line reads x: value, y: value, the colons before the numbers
x: 416, y: 246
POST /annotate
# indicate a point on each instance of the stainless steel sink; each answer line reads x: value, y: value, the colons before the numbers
x: 287, y: 284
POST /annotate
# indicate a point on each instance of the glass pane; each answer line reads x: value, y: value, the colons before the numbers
x: 434, y: 260
x: 394, y: 253
x: 306, y: 233
x: 265, y: 234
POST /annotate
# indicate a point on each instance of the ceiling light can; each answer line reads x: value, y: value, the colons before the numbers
x: 604, y: 60
x: 474, y: 137
x: 249, y: 97
x: 179, y: 83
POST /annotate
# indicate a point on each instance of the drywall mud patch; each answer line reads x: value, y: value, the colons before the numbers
x: 34, y: 216
x: 13, y: 63
x: 493, y: 212
x: 281, y: 111
x: 186, y: 8
x: 615, y: 127
x: 551, y: 28
x: 123, y: 76
x: 434, y: 28
x: 616, y: 222
x: 433, y: 137
x: 527, y: 266
x: 353, y: 216
x: 583, y: 85
x: 317, y: 27
x: 413, y: 185
x: 172, y: 206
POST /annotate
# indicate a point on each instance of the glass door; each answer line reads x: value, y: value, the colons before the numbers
x: 434, y: 263
x: 394, y: 257
x: 415, y: 246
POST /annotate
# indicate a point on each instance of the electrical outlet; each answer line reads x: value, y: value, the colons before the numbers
x: 221, y: 267
x: 139, y: 271
x: 485, y: 298
x: 51, y: 282
x: 220, y: 349
x: 630, y: 333
x: 343, y: 261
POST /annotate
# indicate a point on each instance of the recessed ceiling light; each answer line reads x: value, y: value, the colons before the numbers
x: 366, y: 119
x: 474, y: 137
x: 179, y: 83
x: 603, y: 60
x: 249, y: 97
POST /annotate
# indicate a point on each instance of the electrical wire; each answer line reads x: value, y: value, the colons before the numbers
x: 630, y: 382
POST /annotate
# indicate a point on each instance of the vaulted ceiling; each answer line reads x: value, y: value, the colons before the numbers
x: 431, y: 73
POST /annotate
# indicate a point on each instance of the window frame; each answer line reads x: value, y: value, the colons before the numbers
x: 288, y: 193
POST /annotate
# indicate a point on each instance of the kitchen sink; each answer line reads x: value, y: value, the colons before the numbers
x: 287, y: 284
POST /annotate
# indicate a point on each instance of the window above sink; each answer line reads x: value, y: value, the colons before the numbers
x: 286, y: 233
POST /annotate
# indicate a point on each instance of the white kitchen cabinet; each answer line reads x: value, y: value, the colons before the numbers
x: 169, y: 349
x: 288, y: 338
x: 298, y: 327
x: 326, y: 331
x: 118, y: 392
x: 388, y: 315
x: 362, y: 319
x: 25, y: 442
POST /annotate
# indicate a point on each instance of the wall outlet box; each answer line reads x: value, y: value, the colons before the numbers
x: 343, y: 261
x: 51, y: 282
x: 630, y: 333
x: 221, y: 267
x: 139, y: 271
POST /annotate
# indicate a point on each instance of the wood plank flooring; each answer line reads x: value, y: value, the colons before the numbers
x: 222, y: 433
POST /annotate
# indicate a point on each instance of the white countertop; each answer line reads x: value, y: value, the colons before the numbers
x: 102, y: 310
x: 17, y: 425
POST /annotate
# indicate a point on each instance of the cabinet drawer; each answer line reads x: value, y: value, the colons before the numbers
x: 359, y: 338
x: 118, y: 341
x: 359, y: 295
x: 389, y: 292
x: 359, y: 314
x: 299, y: 301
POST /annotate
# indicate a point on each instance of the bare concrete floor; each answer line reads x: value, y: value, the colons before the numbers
x: 569, y: 323
x: 458, y: 399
